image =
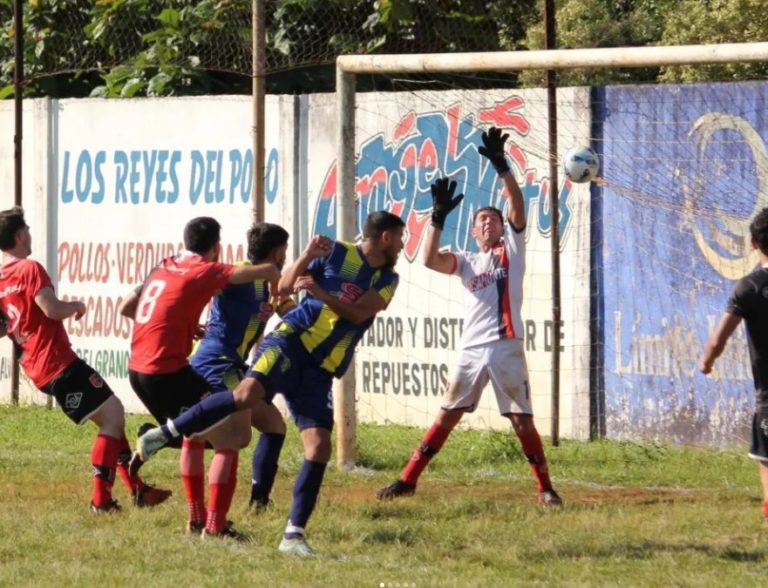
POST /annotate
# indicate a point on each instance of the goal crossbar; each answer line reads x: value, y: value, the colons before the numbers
x: 554, y: 59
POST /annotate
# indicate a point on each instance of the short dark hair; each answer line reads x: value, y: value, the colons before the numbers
x: 11, y: 222
x: 488, y: 209
x: 758, y: 230
x: 380, y: 222
x: 263, y: 238
x: 201, y: 234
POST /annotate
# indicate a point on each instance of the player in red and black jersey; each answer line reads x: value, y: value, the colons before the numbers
x: 749, y: 302
x: 33, y: 319
x: 166, y: 312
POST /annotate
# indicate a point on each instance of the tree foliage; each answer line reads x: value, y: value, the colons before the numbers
x: 125, y: 48
x: 696, y: 22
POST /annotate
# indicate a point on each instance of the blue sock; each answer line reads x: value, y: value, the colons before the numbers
x: 305, y: 492
x: 265, y: 458
x: 205, y: 414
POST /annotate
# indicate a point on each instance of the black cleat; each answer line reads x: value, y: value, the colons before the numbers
x: 550, y: 498
x: 150, y: 496
x: 228, y: 532
x: 260, y: 505
x: 395, y: 490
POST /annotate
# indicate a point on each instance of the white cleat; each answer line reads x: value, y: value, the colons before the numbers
x: 298, y: 547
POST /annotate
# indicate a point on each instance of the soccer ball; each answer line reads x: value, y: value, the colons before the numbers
x: 580, y: 165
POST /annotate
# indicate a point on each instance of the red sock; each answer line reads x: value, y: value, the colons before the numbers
x: 765, y: 508
x: 104, y: 459
x: 123, y: 458
x: 431, y: 443
x: 534, y: 451
x: 192, y: 466
x: 222, y: 479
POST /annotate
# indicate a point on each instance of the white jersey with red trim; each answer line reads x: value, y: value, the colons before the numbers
x: 494, y: 290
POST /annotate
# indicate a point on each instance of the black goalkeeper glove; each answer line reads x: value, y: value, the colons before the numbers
x: 443, y: 201
x: 493, y: 149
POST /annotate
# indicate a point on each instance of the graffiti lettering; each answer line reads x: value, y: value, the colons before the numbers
x: 396, y: 176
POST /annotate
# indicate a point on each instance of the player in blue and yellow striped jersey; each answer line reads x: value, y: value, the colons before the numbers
x: 346, y: 285
x: 236, y: 321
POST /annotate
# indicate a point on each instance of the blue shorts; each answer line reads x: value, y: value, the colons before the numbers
x: 283, y: 366
x: 222, y: 373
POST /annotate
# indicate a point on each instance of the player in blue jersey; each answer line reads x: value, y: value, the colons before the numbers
x: 345, y: 288
x: 346, y: 285
x: 237, y: 318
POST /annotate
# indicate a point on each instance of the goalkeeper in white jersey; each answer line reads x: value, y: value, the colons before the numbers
x: 492, y: 347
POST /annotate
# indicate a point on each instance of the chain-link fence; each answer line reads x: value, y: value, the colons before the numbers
x: 167, y: 39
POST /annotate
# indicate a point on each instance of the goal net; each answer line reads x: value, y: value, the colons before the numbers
x: 648, y: 253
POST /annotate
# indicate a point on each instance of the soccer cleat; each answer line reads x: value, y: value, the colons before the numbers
x: 260, y: 505
x: 143, y: 428
x: 147, y: 445
x: 150, y: 443
x: 297, y: 546
x: 228, y: 532
x: 111, y: 507
x: 194, y: 528
x: 550, y: 498
x: 396, y: 489
x: 150, y: 496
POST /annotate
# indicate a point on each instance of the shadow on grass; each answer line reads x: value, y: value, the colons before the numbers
x: 646, y: 550
x: 407, y: 536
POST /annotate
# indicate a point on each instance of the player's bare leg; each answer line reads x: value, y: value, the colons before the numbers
x: 430, y: 444
x: 534, y: 452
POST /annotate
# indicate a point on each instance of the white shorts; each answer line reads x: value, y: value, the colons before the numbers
x: 503, y: 363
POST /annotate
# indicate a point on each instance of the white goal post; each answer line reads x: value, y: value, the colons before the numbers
x: 348, y: 66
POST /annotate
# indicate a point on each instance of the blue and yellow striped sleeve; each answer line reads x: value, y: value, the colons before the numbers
x: 386, y: 284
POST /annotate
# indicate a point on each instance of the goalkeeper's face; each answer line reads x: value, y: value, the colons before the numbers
x: 488, y: 229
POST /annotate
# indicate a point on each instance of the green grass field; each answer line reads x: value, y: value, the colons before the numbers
x: 635, y: 515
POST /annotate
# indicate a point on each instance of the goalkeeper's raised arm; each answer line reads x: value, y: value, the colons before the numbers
x: 493, y: 150
x: 443, y: 202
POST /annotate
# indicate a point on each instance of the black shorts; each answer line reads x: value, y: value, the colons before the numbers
x: 759, y: 447
x: 166, y: 396
x: 79, y: 390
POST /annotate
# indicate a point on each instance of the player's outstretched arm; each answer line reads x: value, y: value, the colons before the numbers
x: 56, y: 309
x: 443, y: 202
x: 717, y: 340
x: 356, y: 312
x: 493, y: 150
x: 127, y: 307
x: 318, y: 246
x: 260, y: 271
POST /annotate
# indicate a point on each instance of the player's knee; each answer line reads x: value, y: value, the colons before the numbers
x: 244, y: 438
x: 523, y: 424
x: 114, y: 413
x: 248, y: 393
x: 317, y: 446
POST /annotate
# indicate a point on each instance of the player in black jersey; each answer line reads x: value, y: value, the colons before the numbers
x: 749, y: 302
